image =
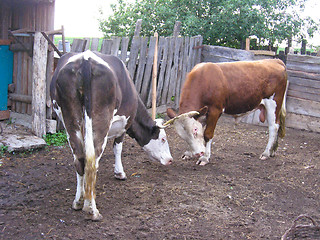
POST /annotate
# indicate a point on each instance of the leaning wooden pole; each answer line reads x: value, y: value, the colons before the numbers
x: 154, y: 79
x: 39, y: 67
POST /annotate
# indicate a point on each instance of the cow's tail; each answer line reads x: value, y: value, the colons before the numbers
x: 90, y: 158
x: 283, y: 113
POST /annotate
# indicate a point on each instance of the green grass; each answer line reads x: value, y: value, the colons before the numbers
x: 56, y: 139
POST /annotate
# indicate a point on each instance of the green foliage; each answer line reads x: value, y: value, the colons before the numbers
x: 220, y: 22
x: 56, y: 139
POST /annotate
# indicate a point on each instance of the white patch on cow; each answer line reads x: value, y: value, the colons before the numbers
x: 192, y: 132
x: 270, y: 106
x: 158, y: 149
x: 88, y: 137
x: 86, y: 55
x: 117, y: 126
x: 77, y: 203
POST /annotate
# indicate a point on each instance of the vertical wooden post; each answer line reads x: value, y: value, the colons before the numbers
x: 138, y: 27
x: 40, y: 52
x: 303, y: 46
x: 176, y: 29
x: 154, y: 78
x: 63, y: 40
x: 247, y: 44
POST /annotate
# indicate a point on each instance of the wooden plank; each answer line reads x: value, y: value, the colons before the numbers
x: 303, y: 95
x: 4, y: 114
x: 300, y: 74
x: 20, y: 98
x: 94, y: 44
x: 304, y: 82
x: 304, y: 107
x: 191, y: 54
x: 303, y: 59
x: 163, y: 55
x: 198, y: 50
x: 134, y: 50
x: 39, y: 85
x: 25, y: 82
x: 106, y: 46
x: 303, y: 122
x: 87, y: 46
x: 124, y: 49
x: 174, y: 70
x: 304, y: 89
x: 168, y: 70
x: 149, y: 102
x: 148, y: 70
x: 179, y: 74
x: 115, y: 46
x: 30, y: 61
x: 304, y: 67
x: 19, y: 79
x: 141, y: 64
x: 78, y: 45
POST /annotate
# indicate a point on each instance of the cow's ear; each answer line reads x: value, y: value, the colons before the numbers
x: 171, y: 113
x: 155, y: 132
x: 203, y: 111
x: 202, y: 117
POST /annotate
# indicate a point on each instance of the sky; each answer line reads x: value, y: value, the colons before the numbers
x: 80, y: 17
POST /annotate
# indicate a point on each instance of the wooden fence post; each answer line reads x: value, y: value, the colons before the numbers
x: 154, y: 78
x: 40, y: 52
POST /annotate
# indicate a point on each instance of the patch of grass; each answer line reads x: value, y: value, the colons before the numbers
x: 56, y: 139
x: 3, y: 149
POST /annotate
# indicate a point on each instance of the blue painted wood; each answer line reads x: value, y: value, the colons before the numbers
x: 6, y: 68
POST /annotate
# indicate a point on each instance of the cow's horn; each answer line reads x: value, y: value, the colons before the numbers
x: 188, y: 114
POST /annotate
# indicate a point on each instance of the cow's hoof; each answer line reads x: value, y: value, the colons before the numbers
x: 263, y: 157
x: 202, y: 161
x: 96, y: 217
x: 186, y: 157
x: 120, y: 176
x: 77, y: 205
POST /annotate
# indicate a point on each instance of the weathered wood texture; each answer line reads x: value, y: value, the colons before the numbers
x: 40, y: 52
x: 303, y: 97
x: 176, y: 57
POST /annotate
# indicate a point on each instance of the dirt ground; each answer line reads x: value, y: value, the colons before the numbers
x: 236, y: 196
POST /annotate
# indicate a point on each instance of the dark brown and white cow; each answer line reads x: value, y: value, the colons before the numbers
x: 95, y: 98
x: 233, y: 88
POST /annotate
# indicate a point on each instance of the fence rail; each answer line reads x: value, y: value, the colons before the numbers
x: 176, y: 57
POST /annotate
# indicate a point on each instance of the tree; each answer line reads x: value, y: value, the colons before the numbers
x: 220, y: 22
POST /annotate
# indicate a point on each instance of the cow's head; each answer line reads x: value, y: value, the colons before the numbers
x: 190, y: 127
x: 158, y: 147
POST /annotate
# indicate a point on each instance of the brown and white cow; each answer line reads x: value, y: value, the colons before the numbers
x: 95, y: 98
x: 233, y: 88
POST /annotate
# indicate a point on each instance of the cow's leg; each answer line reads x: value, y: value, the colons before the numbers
x: 212, y: 120
x: 272, y: 145
x: 118, y: 168
x: 78, y: 200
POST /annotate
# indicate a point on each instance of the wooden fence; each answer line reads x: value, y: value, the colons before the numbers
x: 303, y: 101
x: 176, y: 57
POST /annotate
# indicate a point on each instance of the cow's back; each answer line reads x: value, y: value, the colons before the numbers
x: 236, y: 87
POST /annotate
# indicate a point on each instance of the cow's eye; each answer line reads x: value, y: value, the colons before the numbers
x: 163, y: 140
x: 195, y: 132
